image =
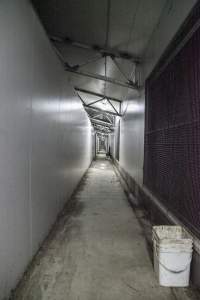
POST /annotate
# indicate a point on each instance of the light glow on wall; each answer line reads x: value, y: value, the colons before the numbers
x: 136, y: 107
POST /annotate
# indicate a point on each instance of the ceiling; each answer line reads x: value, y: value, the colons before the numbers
x: 101, y: 44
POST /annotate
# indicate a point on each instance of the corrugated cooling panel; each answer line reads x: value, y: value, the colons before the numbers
x: 172, y: 132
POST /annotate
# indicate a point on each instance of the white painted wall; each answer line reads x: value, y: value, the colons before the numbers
x: 45, y: 139
x: 132, y: 124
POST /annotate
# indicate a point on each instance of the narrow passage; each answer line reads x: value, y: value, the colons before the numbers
x: 95, y: 252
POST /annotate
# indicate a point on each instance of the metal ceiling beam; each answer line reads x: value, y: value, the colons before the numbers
x: 96, y: 94
x: 101, y: 110
x: 88, y: 107
x: 109, y: 118
x: 99, y: 116
x: 104, y: 51
x: 99, y: 100
x: 81, y: 99
x: 102, y: 129
x: 120, y: 69
x: 94, y: 102
x: 96, y: 116
x: 113, y: 106
x: 129, y: 85
x: 102, y: 126
x: 102, y: 133
x: 98, y: 121
x: 89, y: 61
x: 102, y: 120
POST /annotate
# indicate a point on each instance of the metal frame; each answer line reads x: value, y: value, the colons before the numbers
x: 96, y: 94
x: 96, y: 116
x: 101, y: 110
x: 96, y: 48
x: 120, y: 69
x: 109, y: 119
x: 130, y: 84
x: 101, y: 128
x: 106, y: 124
x: 99, y: 100
x: 106, y: 128
x: 102, y: 125
x: 100, y: 122
x: 101, y: 133
x: 90, y: 105
x: 112, y: 106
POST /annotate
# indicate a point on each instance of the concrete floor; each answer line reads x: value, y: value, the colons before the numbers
x: 97, y: 250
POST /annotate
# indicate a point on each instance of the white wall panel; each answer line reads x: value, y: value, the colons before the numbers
x: 132, y: 138
x: 45, y: 139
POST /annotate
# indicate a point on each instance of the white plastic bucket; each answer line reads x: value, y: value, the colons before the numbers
x: 172, y: 255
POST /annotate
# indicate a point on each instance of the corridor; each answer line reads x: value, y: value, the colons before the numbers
x: 96, y: 250
x: 90, y: 91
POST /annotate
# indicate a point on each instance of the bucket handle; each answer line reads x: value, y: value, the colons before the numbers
x: 169, y: 270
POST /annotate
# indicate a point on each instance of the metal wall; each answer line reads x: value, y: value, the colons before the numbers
x: 172, y: 128
x: 132, y: 123
x: 45, y: 139
x: 131, y: 140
